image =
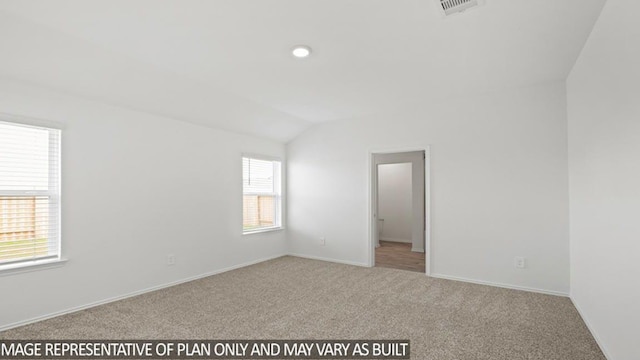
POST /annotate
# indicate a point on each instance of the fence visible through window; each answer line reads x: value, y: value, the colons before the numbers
x: 23, y: 227
x: 259, y: 211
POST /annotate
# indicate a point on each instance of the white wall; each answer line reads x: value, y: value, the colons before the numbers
x: 499, y: 186
x: 394, y: 201
x: 136, y: 187
x: 604, y: 161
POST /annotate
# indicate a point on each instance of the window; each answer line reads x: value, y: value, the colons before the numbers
x: 261, y: 187
x: 29, y: 195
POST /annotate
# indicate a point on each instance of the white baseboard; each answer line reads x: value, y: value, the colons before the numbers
x: 413, y: 249
x: 506, y: 286
x: 219, y: 271
x: 406, y: 241
x: 591, y: 330
x: 329, y: 260
x: 132, y: 294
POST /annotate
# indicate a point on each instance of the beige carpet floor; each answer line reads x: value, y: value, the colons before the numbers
x: 294, y: 298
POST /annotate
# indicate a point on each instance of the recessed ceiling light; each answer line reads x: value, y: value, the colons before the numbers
x: 301, y: 51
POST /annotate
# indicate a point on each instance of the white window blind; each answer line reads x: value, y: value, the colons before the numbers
x: 261, y: 203
x: 29, y: 194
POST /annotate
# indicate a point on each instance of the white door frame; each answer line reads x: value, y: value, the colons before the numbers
x: 371, y: 199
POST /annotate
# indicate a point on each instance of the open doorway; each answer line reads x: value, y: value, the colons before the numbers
x: 399, y: 224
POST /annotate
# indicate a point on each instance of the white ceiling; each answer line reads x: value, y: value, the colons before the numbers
x: 227, y: 64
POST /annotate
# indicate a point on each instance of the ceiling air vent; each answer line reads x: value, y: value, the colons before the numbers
x: 450, y: 7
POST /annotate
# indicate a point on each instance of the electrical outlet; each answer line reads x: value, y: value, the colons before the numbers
x: 323, y: 241
x: 520, y: 262
x: 171, y: 259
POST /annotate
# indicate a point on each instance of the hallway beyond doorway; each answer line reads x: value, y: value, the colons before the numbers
x: 397, y: 255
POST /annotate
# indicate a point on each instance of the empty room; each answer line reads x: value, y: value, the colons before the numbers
x: 319, y: 179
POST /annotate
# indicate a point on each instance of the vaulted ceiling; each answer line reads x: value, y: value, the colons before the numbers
x: 227, y: 63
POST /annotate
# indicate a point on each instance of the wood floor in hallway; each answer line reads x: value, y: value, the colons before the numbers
x: 398, y: 255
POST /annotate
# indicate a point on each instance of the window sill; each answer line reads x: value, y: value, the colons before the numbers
x: 31, y: 266
x: 263, y: 230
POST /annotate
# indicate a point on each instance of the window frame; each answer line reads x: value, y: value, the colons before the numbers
x: 278, y: 176
x: 53, y: 193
